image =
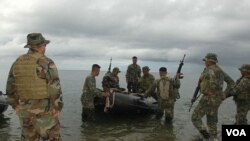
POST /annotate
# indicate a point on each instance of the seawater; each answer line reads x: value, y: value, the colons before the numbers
x: 119, y: 127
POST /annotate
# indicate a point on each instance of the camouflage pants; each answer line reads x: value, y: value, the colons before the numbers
x: 242, y: 108
x: 167, y: 107
x: 36, y: 123
x: 207, y: 106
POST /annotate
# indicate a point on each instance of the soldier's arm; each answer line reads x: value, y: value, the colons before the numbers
x: 151, y: 89
x: 229, y: 81
x: 241, y: 85
x: 12, y: 98
x: 176, y: 83
x: 90, y: 83
x: 127, y: 73
x: 139, y: 73
x: 48, y: 70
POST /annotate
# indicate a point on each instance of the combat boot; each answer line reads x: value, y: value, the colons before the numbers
x: 205, y: 134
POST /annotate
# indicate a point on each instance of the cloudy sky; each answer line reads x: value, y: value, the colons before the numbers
x: 158, y: 32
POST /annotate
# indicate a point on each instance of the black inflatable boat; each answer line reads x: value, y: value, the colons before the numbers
x: 3, y: 103
x: 121, y: 103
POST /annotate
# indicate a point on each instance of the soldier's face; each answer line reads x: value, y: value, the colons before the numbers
x: 145, y: 72
x: 134, y: 61
x: 162, y: 73
x: 97, y: 71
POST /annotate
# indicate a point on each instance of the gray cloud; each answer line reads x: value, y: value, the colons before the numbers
x: 155, y: 31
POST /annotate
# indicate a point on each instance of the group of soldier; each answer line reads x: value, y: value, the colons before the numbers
x: 34, y: 91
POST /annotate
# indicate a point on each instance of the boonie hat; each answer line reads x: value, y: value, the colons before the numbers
x: 116, y: 69
x: 145, y: 68
x: 211, y: 57
x: 245, y: 67
x: 34, y: 39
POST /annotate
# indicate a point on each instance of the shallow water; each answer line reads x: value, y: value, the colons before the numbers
x: 120, y: 127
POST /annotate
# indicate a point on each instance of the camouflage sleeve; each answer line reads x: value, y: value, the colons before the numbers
x: 127, y: 73
x: 139, y: 71
x: 176, y: 83
x: 229, y: 81
x: 47, y: 70
x: 12, y: 98
x: 151, y: 89
x: 91, y: 86
x: 240, y: 87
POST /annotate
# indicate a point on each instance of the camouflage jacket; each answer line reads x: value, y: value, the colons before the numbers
x: 89, y: 92
x: 241, y: 91
x: 133, y: 73
x: 46, y: 69
x: 145, y: 82
x: 110, y: 81
x: 212, y: 79
x: 174, y: 84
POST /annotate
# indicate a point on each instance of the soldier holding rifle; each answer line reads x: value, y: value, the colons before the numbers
x: 211, y: 87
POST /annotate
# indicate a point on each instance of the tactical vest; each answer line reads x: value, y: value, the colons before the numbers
x: 28, y: 84
x: 165, y: 88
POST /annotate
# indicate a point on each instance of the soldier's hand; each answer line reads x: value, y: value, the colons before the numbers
x: 106, y: 94
x: 179, y: 75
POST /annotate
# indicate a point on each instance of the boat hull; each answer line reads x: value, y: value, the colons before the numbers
x: 127, y: 104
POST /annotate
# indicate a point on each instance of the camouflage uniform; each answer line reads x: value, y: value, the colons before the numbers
x: 111, y: 81
x: 165, y: 104
x: 212, y: 89
x: 89, y: 92
x: 38, y: 117
x: 241, y: 93
x: 146, y: 81
x: 132, y: 76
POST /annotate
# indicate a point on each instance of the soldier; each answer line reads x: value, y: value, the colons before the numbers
x: 132, y: 76
x: 89, y: 92
x: 34, y: 91
x: 211, y: 86
x: 146, y: 80
x: 165, y: 93
x: 111, y: 80
x: 241, y: 93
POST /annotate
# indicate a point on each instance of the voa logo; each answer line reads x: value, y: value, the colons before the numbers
x: 236, y: 132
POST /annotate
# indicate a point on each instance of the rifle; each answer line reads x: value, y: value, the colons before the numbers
x: 109, y: 66
x: 180, y: 66
x: 180, y: 76
x: 195, y: 97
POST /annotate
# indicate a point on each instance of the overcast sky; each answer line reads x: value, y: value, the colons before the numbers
x: 158, y: 32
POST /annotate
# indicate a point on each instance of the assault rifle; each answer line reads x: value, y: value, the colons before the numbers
x: 180, y: 76
x: 109, y: 66
x: 195, y: 96
x: 180, y: 66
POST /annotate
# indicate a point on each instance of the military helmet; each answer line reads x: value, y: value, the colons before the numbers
x: 211, y: 57
x: 34, y: 39
x: 245, y: 67
x: 116, y: 69
x: 145, y: 68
